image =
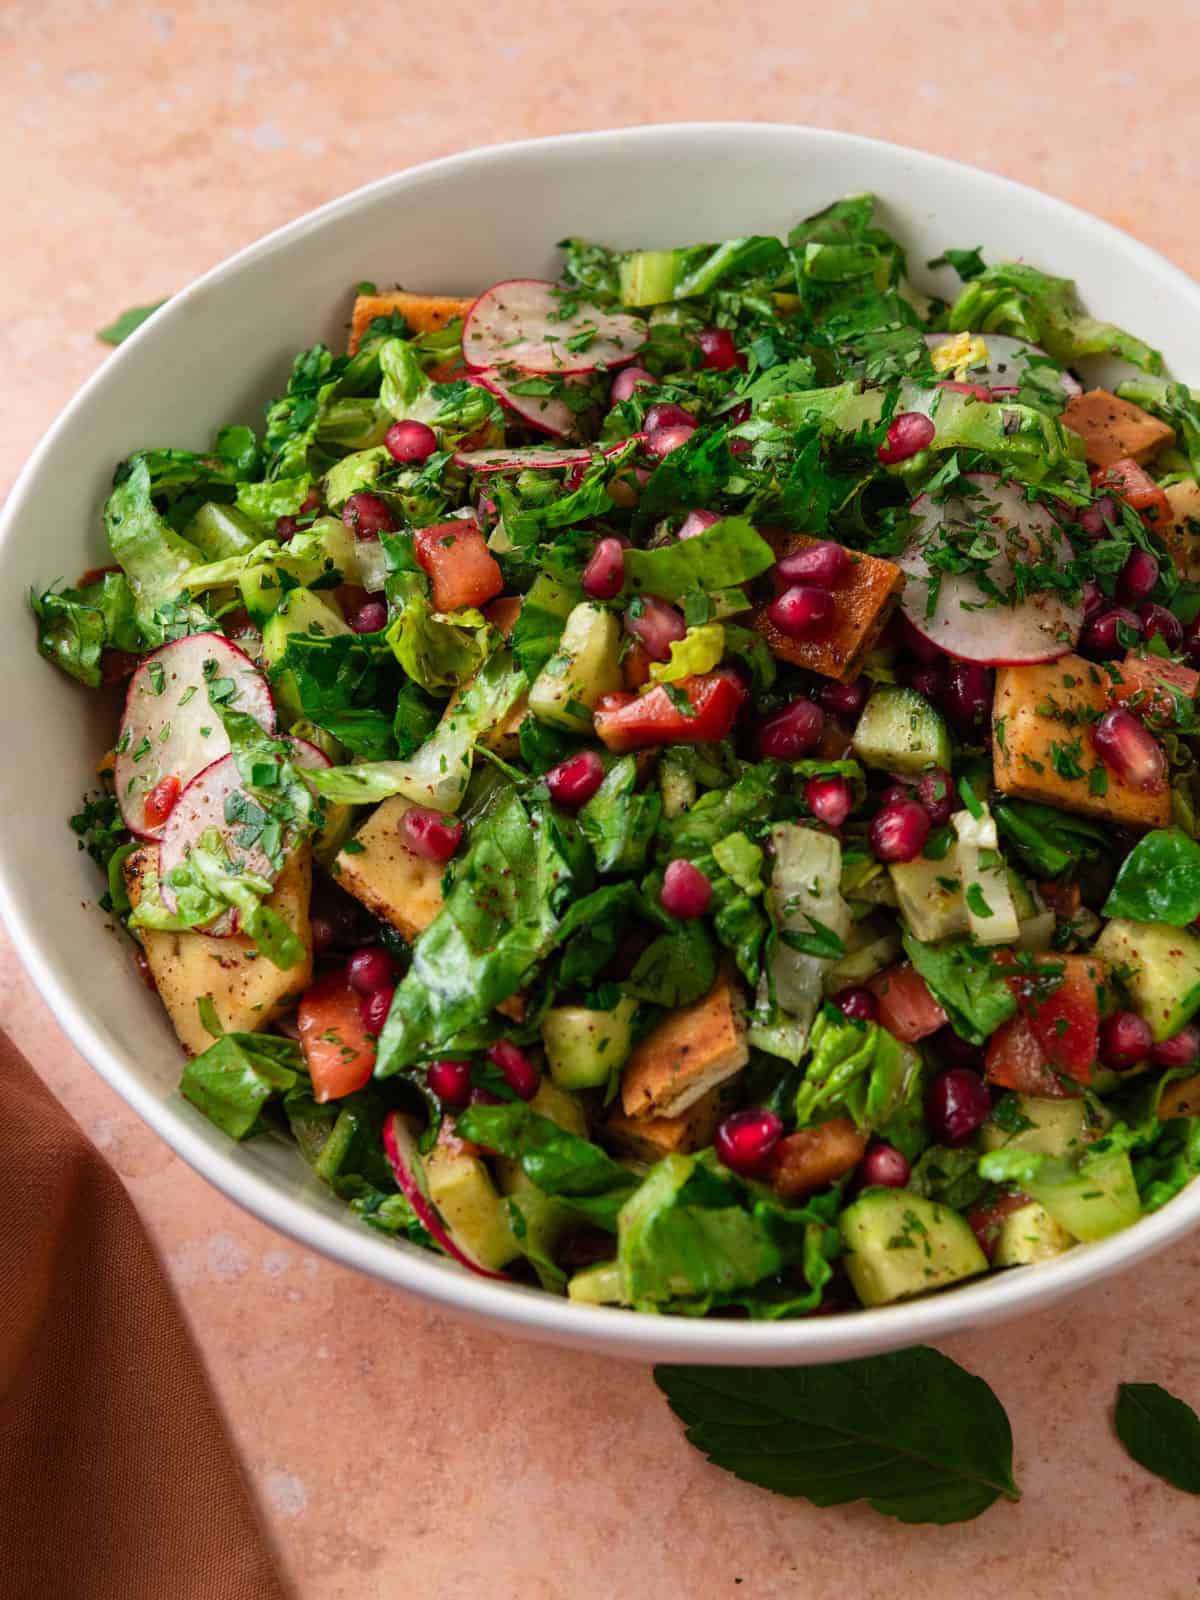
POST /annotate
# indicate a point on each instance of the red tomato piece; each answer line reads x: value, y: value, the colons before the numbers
x: 1015, y: 1060
x: 1138, y: 489
x: 337, y: 1047
x: 160, y: 802
x: 906, y: 1007
x: 634, y: 722
x: 985, y: 1220
x: 1056, y: 1033
x: 462, y: 570
x: 1155, y: 686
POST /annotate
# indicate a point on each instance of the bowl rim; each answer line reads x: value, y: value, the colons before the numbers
x: 607, y: 1329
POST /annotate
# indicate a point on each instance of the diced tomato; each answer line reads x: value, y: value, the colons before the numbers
x: 635, y: 666
x: 1056, y: 1033
x: 503, y: 613
x: 977, y: 391
x: 160, y: 802
x: 636, y: 721
x: 1155, y: 686
x: 1138, y: 489
x: 985, y: 1220
x: 906, y: 1007
x: 461, y: 568
x: 337, y: 1047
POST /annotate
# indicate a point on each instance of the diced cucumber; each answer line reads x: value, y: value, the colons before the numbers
x: 301, y: 611
x: 477, y: 1217
x: 221, y: 532
x: 929, y: 895
x: 583, y: 668
x: 596, y: 1286
x: 561, y: 1107
x: 584, y: 1048
x: 991, y: 914
x: 353, y: 473
x: 648, y: 277
x: 899, y: 731
x: 676, y: 785
x: 1160, y: 967
x: 1029, y: 1235
x: 899, y: 1244
x: 871, y: 946
x: 1055, y: 1127
x: 1091, y: 1198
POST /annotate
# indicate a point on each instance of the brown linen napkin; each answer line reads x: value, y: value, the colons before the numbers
x: 118, y: 1480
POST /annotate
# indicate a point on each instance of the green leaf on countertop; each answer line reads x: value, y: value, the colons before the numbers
x: 1160, y: 1432
x: 128, y: 322
x: 912, y: 1433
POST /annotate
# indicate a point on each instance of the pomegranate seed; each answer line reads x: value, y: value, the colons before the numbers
x: 792, y: 732
x: 857, y: 1003
x: 1137, y: 577
x: 955, y: 1051
x: 844, y: 699
x: 604, y: 576
x: 1180, y: 1050
x: 626, y: 381
x: 575, y: 476
x: 745, y: 1139
x: 930, y: 681
x: 899, y: 831
x: 1191, y: 642
x: 717, y: 348
x: 936, y: 791
x: 374, y: 1007
x: 367, y: 516
x: 909, y: 434
x: 1100, y: 636
x: 322, y: 934
x: 370, y: 968
x: 822, y: 564
x: 883, y: 1167
x: 573, y: 782
x: 957, y: 1104
x: 450, y: 1081
x: 1125, y: 1039
x: 410, y: 442
x: 739, y: 413
x: 686, y: 891
x: 484, y: 1097
x: 369, y: 618
x: 1157, y: 619
x: 1127, y: 749
x: 520, y: 1074
x: 1093, y: 600
x: 661, y: 441
x: 829, y: 800
x: 430, y: 834
x: 896, y: 794
x: 656, y: 625
x: 967, y: 698
x: 288, y: 526
x: 802, y: 612
x: 1092, y: 519
x: 697, y: 522
x: 665, y: 414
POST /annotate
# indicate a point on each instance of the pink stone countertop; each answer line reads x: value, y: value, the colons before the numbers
x: 397, y: 1451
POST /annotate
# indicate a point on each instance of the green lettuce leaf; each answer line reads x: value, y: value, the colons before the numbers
x: 1159, y: 880
x: 618, y: 822
x: 232, y: 1081
x: 966, y: 983
x: 561, y: 1164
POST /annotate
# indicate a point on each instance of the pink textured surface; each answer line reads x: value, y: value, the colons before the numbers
x: 395, y: 1450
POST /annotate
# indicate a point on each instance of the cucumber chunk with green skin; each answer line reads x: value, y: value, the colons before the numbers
x: 1092, y: 1198
x: 899, y: 731
x: 596, y: 1286
x: 583, y: 1047
x: 930, y: 896
x: 301, y: 611
x: 220, y: 532
x: 474, y: 1212
x: 585, y: 666
x: 1029, y: 1235
x: 899, y: 1245
x: 1160, y: 968
x: 1047, y: 1127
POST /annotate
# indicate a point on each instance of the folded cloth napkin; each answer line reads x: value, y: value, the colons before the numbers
x: 118, y: 1480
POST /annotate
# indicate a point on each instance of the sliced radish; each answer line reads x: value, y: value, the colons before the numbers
x: 537, y: 455
x: 169, y: 729
x: 1007, y: 359
x: 521, y: 323
x: 545, y: 412
x: 400, y: 1143
x: 201, y: 806
x: 965, y: 621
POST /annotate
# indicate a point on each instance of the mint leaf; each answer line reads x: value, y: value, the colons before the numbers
x: 128, y: 322
x: 966, y: 983
x: 1160, y: 1432
x: 1159, y: 880
x: 912, y: 1433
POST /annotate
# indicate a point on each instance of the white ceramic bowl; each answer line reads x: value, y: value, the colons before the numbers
x: 217, y: 353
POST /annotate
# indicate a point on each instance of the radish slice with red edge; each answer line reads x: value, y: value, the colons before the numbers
x: 400, y: 1143
x: 537, y: 456
x: 201, y: 806
x: 546, y: 412
x: 965, y: 621
x: 169, y: 729
x: 1007, y: 359
x: 535, y: 325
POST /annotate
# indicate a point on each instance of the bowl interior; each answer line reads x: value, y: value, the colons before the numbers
x: 222, y: 349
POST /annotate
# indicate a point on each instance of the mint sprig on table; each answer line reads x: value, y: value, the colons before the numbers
x: 1160, y: 1432
x: 128, y: 322
x: 912, y: 1433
